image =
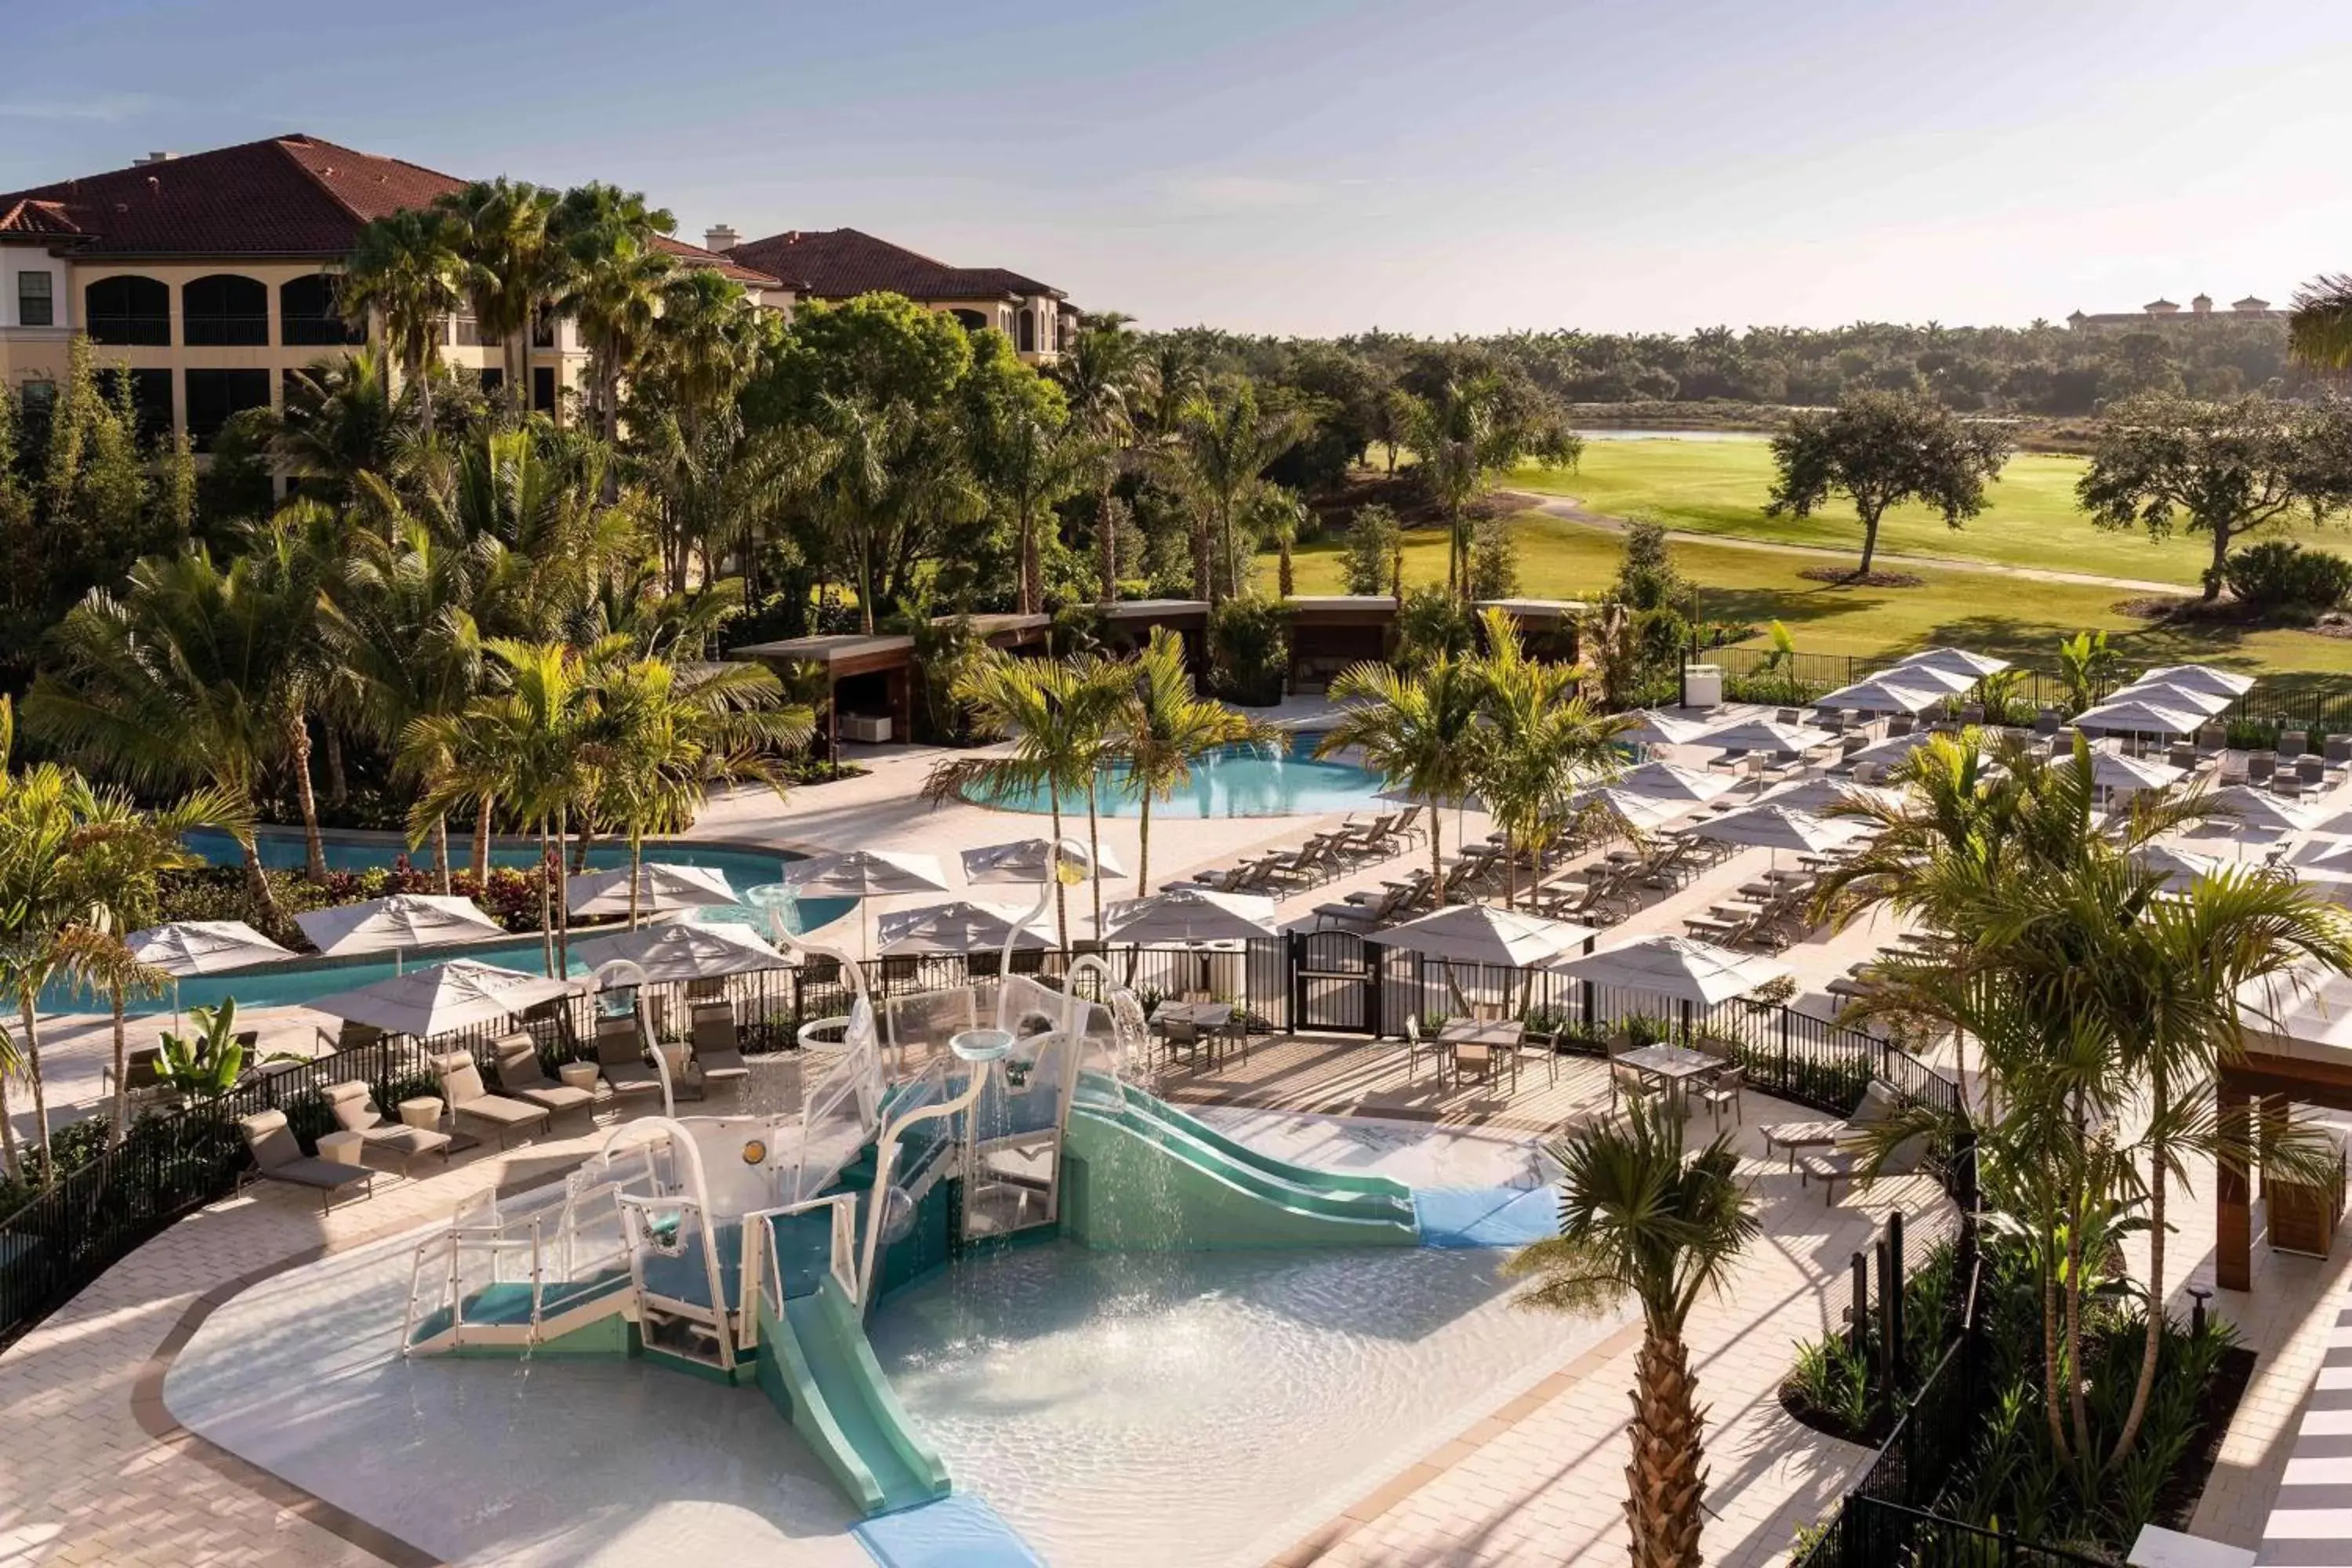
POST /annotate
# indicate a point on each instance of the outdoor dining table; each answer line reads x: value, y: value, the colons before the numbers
x: 1201, y: 1014
x: 1502, y: 1035
x: 1673, y: 1066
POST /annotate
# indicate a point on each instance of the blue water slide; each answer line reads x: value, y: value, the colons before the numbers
x: 817, y: 1367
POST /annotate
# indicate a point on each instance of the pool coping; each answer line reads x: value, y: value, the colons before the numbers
x: 168, y: 1432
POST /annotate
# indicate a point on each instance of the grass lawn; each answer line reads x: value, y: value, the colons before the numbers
x: 2006, y: 616
x: 1719, y: 487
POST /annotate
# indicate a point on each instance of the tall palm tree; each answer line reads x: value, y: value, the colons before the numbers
x: 509, y: 267
x: 2319, y: 326
x: 1420, y: 732
x: 1222, y: 444
x: 340, y: 420
x: 404, y: 272
x: 1162, y: 726
x: 1541, y: 744
x: 1638, y: 1217
x: 1031, y: 460
x: 616, y: 274
x: 1057, y: 715
x: 1102, y: 371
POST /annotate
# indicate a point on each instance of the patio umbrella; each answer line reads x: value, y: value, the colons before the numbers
x: 685, y: 950
x: 1027, y: 859
x: 1670, y: 781
x: 1772, y: 826
x: 202, y: 947
x: 2303, y: 1007
x: 662, y: 889
x: 2121, y: 774
x: 1939, y: 677
x: 864, y: 874
x: 1675, y: 968
x: 2244, y: 809
x: 1188, y: 915
x: 961, y: 926
x: 2134, y: 717
x: 1957, y: 661
x: 444, y: 997
x: 1816, y: 796
x: 1894, y: 748
x: 1650, y: 727
x: 2164, y: 694
x: 1482, y: 934
x: 402, y: 922
x: 2179, y: 867
x: 1635, y: 813
x: 2199, y: 677
x: 1888, y: 693
x: 1766, y: 735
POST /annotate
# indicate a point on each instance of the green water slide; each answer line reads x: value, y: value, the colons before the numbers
x: 819, y: 1371
x: 1144, y: 1175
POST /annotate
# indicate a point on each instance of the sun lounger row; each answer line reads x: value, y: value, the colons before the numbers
x: 1324, y: 858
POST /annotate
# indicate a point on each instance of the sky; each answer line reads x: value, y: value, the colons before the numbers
x: 1316, y: 167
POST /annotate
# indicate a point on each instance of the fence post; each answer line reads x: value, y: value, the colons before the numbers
x: 1858, y: 1314
x: 1890, y: 1301
x: 1376, y: 959
x: 1785, y: 1078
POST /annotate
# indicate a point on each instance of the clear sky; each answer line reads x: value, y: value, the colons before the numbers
x: 1319, y: 166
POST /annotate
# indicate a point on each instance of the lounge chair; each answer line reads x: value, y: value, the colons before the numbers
x: 461, y: 1087
x: 717, y: 1045
x: 620, y: 1057
x: 278, y: 1157
x: 521, y: 1076
x: 1849, y: 1156
x: 355, y: 1111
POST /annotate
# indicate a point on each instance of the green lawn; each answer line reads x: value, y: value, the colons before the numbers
x: 1719, y: 487
x: 2008, y: 615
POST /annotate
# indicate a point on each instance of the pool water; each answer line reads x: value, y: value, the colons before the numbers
x: 1240, y: 780
x: 309, y: 979
x: 1128, y: 1410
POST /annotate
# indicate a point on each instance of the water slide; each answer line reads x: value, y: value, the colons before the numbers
x: 1146, y: 1176
x: 819, y: 1371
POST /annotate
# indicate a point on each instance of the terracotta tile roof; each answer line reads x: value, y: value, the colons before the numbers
x: 835, y: 263
x: 724, y: 264
x: 42, y: 218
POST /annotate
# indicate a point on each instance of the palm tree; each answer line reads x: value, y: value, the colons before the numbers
x: 405, y: 271
x: 1541, y: 744
x: 1222, y: 444
x: 341, y: 421
x: 1030, y: 459
x: 613, y: 290
x: 1418, y: 732
x: 1102, y: 374
x: 1638, y: 1218
x: 1162, y: 726
x: 1057, y: 714
x: 509, y: 266
x: 2319, y: 327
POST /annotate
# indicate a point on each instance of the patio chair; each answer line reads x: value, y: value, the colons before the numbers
x: 1182, y: 1034
x: 1415, y: 1045
x: 2293, y: 744
x: 1901, y: 724
x: 278, y: 1157
x: 143, y: 1078
x: 1533, y: 1043
x: 461, y: 1087
x: 2311, y: 768
x: 521, y: 1075
x: 354, y: 1108
x: 2339, y: 753
x: 718, y: 1044
x: 2260, y: 766
x: 1478, y: 1058
x: 2212, y: 739
x: 2045, y: 722
x: 1724, y: 1086
x: 2181, y: 754
x: 353, y: 1035
x: 620, y: 1057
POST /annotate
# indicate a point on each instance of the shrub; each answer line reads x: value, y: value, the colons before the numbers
x: 1249, y: 650
x: 1373, y: 559
x: 2279, y: 575
x: 1494, y: 560
x: 1432, y: 623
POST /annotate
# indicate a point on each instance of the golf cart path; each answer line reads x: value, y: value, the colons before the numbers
x: 1571, y: 509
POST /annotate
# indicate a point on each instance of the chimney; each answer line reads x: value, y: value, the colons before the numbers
x: 720, y: 237
x: 152, y: 158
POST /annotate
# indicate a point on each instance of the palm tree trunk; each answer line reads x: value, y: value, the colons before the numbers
x: 636, y: 864
x: 421, y: 374
x: 481, y: 855
x: 1106, y: 547
x: 121, y: 1060
x: 2083, y: 1457
x: 1436, y: 858
x: 10, y: 1161
x: 441, y: 852
x: 2151, y: 1351
x: 546, y: 915
x: 1143, y: 851
x: 1054, y: 864
x: 314, y: 847
x: 1666, y: 1480
x: 338, y: 788
x: 2052, y: 1377
x: 563, y: 897
x: 1094, y: 854
x: 32, y: 1037
x: 255, y: 874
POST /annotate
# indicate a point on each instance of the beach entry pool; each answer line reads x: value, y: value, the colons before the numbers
x: 1014, y: 1309
x: 1240, y: 780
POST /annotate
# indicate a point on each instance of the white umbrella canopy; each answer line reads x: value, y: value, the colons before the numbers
x: 2324, y: 862
x: 1670, y: 781
x: 1816, y: 796
x: 2179, y: 699
x: 394, y: 925
x: 2243, y: 808
x: 446, y: 996
x: 1184, y: 915
x: 1766, y: 735
x: 864, y: 874
x: 2179, y: 867
x: 961, y: 926
x: 662, y: 889
x: 1675, y: 968
x: 1957, y: 661
x: 2125, y: 775
x: 2134, y: 716
x: 685, y: 950
x: 1482, y: 934
x: 1026, y: 860
x: 1888, y: 693
x: 202, y: 947
x: 1650, y: 727
x: 2197, y: 678
x: 1772, y: 826
x: 1894, y: 748
x: 1636, y: 813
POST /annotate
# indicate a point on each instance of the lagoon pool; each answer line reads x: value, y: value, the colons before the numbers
x: 1240, y: 780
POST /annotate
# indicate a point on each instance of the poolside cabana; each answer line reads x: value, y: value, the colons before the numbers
x: 2298, y: 1050
x: 869, y: 676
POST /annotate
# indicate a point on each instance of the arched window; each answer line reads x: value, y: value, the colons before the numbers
x: 222, y: 309
x: 970, y: 321
x: 1028, y: 338
x: 128, y: 310
x: 308, y: 313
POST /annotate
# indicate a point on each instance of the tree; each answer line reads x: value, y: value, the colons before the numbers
x: 1025, y: 454
x: 511, y: 266
x: 2319, y: 327
x: 1539, y: 745
x: 1638, y: 1218
x: 2223, y: 469
x: 1473, y: 428
x: 614, y: 276
x: 1881, y: 449
x: 404, y: 272
x: 1222, y: 445
x: 339, y: 421
x: 2088, y: 667
x: 1162, y: 727
x: 1418, y: 731
x: 1102, y: 372
x: 1373, y: 559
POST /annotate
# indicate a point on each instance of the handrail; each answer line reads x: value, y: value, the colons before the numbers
x: 842, y: 1248
x: 885, y: 1155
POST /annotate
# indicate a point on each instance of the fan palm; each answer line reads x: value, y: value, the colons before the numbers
x: 1162, y: 726
x: 613, y: 290
x: 1418, y: 732
x: 1638, y: 1217
x: 403, y: 270
x: 340, y: 420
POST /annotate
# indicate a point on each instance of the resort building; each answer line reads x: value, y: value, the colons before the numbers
x: 2200, y: 308
x: 841, y: 263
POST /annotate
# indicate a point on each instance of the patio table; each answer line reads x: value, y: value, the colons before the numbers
x: 1673, y: 1066
x: 1501, y: 1035
x: 1793, y: 1136
x: 1201, y: 1014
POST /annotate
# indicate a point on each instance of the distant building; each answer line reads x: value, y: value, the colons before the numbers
x: 2200, y: 308
x: 842, y: 263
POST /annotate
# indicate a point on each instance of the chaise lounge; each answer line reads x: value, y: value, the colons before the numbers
x: 718, y: 1045
x: 620, y: 1057
x: 355, y: 1111
x: 461, y: 1087
x: 278, y: 1157
x: 521, y: 1076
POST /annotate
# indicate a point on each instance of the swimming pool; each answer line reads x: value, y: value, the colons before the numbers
x: 1240, y: 780
x: 308, y: 979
